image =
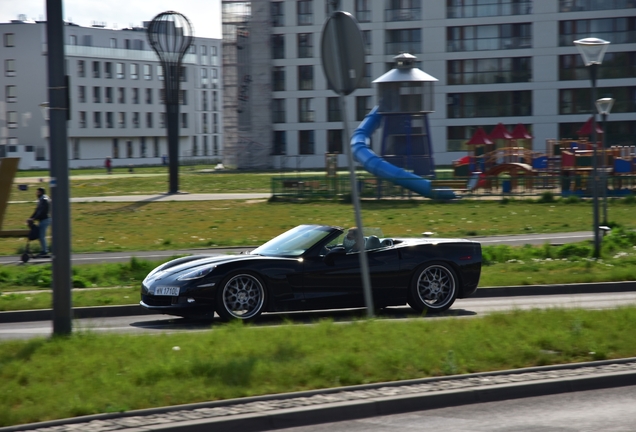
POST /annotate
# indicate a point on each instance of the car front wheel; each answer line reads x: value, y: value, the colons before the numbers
x: 242, y: 297
x: 434, y: 288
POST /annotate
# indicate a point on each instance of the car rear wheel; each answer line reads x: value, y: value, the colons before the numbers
x: 434, y: 288
x: 241, y: 297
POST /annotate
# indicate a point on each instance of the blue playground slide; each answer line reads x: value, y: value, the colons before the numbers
x: 381, y: 168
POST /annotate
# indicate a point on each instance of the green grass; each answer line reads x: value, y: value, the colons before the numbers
x: 102, y: 227
x: 89, y: 373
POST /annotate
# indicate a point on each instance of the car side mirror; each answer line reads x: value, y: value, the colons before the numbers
x: 333, y: 253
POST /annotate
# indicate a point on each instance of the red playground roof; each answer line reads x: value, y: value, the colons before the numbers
x: 587, y: 128
x: 499, y: 132
x: 479, y: 138
x: 520, y: 132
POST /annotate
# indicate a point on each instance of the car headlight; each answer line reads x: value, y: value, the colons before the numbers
x: 196, y: 274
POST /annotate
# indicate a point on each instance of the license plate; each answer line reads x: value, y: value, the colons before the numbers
x: 167, y: 291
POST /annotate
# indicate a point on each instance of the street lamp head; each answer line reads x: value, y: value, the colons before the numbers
x: 170, y: 35
x: 592, y: 50
x: 604, y: 105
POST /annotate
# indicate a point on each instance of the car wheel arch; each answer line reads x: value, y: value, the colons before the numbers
x: 418, y: 271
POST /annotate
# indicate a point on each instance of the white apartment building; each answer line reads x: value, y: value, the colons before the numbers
x: 508, y: 61
x: 115, y: 94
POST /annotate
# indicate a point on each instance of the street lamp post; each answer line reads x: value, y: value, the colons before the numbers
x: 592, y: 50
x: 604, y: 106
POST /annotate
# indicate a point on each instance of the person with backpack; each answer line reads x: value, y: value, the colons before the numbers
x: 41, y: 214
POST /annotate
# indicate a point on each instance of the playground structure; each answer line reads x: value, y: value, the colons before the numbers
x: 8, y: 168
x: 502, y: 162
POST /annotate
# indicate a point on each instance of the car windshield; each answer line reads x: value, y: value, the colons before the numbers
x: 294, y: 242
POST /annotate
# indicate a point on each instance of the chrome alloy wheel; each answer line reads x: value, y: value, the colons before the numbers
x: 436, y: 286
x: 243, y: 296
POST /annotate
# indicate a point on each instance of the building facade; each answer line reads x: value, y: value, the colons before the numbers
x: 508, y: 61
x: 115, y: 94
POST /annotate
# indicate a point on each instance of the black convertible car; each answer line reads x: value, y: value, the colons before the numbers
x: 314, y: 267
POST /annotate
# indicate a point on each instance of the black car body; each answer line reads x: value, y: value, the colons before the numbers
x: 308, y: 268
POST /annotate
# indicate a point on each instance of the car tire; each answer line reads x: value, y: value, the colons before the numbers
x: 242, y: 297
x: 434, y: 288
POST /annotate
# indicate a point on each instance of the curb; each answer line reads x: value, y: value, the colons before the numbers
x: 513, y: 291
x: 261, y: 413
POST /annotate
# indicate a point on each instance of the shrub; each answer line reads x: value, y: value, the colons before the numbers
x: 574, y: 250
x: 546, y: 197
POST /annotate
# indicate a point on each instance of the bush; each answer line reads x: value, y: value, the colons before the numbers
x: 572, y: 199
x: 574, y: 250
x: 546, y: 197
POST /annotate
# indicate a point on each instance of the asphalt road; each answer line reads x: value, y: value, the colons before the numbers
x: 463, y: 308
x: 608, y: 410
x: 94, y: 258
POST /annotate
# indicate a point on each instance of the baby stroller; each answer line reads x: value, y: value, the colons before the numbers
x: 34, y: 234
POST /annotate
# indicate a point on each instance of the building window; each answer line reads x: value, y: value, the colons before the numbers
x: 162, y: 120
x: 366, y: 80
x: 108, y: 70
x: 11, y: 93
x: 121, y: 95
x: 129, y: 149
x: 134, y: 71
x: 121, y: 120
x: 464, y: 9
x: 113, y: 43
x: 155, y: 146
x: 9, y: 40
x: 592, y: 5
x: 162, y: 96
x: 278, y: 46
x: 9, y: 67
x: 619, y: 133
x: 12, y: 119
x: 305, y: 77
x: 333, y: 109
x: 143, y: 147
x: 72, y: 40
x: 87, y: 40
x: 366, y: 37
x: 363, y: 10
x: 115, y: 148
x: 305, y: 13
x: 109, y: 120
x: 81, y: 94
x: 81, y: 68
x: 149, y: 120
x: 405, y: 40
x: 160, y: 73
x: 204, y: 78
x: 214, y: 101
x: 278, y: 13
x: 215, y: 123
x: 305, y: 45
x: 280, y: 143
x: 615, y: 65
x: 184, y: 120
x: 183, y: 97
x: 82, y: 119
x: 135, y: 120
x: 305, y: 110
x: 363, y: 107
x: 617, y: 30
x: 195, y: 146
x: 577, y: 101
x: 121, y: 72
x: 96, y: 69
x: 306, y: 142
x: 205, y: 126
x: 278, y: 111
x: 109, y: 95
x: 138, y: 44
x: 76, y: 148
x: 489, y: 37
x: 204, y: 100
x: 215, y: 144
x: 135, y: 96
x: 183, y: 74
x: 205, y: 146
x: 334, y: 141
x: 97, y: 95
x: 489, y: 70
x: 278, y: 78
x: 148, y: 96
x: 403, y: 10
x: 489, y: 104
x: 147, y: 72
x: 127, y: 44
x: 97, y: 120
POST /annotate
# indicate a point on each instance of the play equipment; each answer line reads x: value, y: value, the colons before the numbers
x: 8, y: 168
x: 406, y: 98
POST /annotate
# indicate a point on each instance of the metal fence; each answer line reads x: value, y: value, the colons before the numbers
x: 370, y: 187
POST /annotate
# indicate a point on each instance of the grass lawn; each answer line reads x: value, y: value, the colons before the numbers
x: 101, y: 227
x: 88, y: 373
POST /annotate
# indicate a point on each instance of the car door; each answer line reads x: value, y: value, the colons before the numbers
x: 336, y: 281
